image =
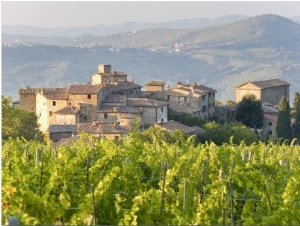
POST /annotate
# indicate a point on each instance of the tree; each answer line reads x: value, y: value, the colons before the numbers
x: 18, y: 123
x: 296, y: 107
x: 220, y: 134
x: 283, y: 127
x: 230, y: 102
x: 249, y: 111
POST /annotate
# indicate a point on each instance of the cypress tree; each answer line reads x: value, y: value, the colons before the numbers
x: 296, y: 107
x: 283, y: 127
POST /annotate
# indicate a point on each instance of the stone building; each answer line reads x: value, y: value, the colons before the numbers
x: 155, y: 86
x: 199, y: 97
x: 266, y: 91
x: 105, y: 75
x: 110, y: 100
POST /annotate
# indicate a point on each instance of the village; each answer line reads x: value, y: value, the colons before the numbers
x: 110, y: 104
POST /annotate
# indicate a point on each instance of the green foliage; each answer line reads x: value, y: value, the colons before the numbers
x: 18, y: 123
x: 185, y: 118
x: 249, y: 111
x: 296, y: 107
x: 148, y: 179
x: 230, y: 102
x: 283, y: 127
x: 230, y: 132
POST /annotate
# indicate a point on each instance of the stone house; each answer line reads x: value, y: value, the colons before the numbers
x: 110, y: 99
x: 266, y: 91
x: 199, y: 97
x: 126, y: 111
x: 196, y: 100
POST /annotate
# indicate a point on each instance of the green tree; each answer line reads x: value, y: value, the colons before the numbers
x: 249, y: 111
x: 283, y: 127
x: 18, y: 123
x: 230, y: 102
x: 296, y: 115
x: 220, y: 134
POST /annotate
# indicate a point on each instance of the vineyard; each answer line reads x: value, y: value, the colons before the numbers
x: 150, y: 178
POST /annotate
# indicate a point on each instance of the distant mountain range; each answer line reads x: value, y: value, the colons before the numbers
x: 221, y: 53
x: 103, y: 30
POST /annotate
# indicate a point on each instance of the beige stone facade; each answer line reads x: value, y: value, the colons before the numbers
x: 196, y: 96
x: 105, y: 75
x: 266, y: 91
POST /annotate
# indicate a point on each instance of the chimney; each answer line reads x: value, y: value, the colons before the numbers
x: 131, y: 80
x: 179, y: 84
x: 42, y: 91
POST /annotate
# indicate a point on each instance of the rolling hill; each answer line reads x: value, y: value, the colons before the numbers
x: 221, y: 56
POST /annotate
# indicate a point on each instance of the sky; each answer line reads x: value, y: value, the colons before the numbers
x: 51, y: 14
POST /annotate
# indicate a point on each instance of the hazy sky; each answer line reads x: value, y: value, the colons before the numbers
x: 51, y: 14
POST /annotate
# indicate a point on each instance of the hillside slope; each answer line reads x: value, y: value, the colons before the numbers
x: 222, y: 57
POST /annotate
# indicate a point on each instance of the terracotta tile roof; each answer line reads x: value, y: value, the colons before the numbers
x: 49, y: 93
x: 70, y: 140
x: 121, y: 86
x: 70, y: 110
x: 63, y: 129
x: 114, y: 99
x: 274, y: 118
x: 173, y: 125
x: 120, y: 109
x: 143, y: 102
x: 197, y: 88
x: 84, y: 89
x: 184, y: 108
x: 102, y: 128
x: 265, y: 84
x: 269, y: 83
x: 155, y: 83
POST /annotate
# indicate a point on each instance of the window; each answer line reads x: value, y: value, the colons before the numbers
x: 204, y: 108
x: 185, y: 99
x: 50, y: 113
x: 54, y: 103
x: 85, y: 117
x: 203, y: 97
x: 131, y: 93
x: 270, y: 132
x: 70, y: 103
x: 89, y: 96
x: 162, y: 120
x: 209, y: 105
x: 270, y: 123
x: 105, y: 115
x: 162, y: 109
x: 168, y: 97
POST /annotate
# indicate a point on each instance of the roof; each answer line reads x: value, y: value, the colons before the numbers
x: 112, y: 98
x: 274, y: 118
x: 63, y: 129
x: 70, y: 110
x: 143, y: 102
x: 119, y: 109
x: 173, y: 125
x: 155, y: 83
x: 102, y: 128
x: 84, y: 89
x: 121, y: 86
x: 265, y: 83
x: 70, y: 140
x: 184, y: 108
x: 199, y: 88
